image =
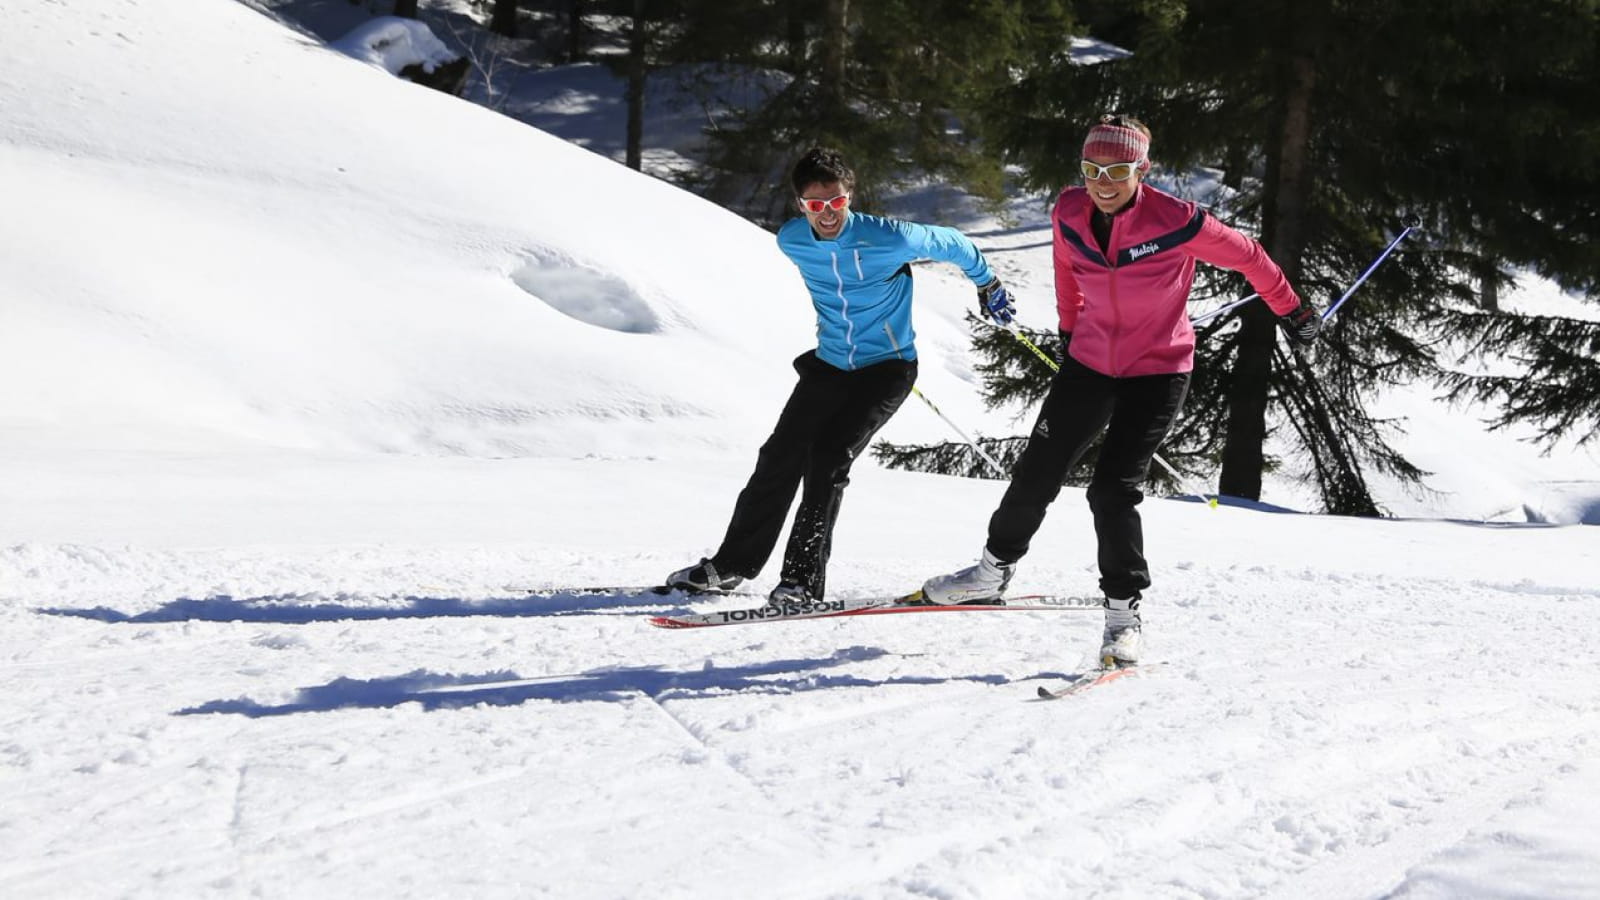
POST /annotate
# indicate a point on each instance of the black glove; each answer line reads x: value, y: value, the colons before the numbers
x: 994, y: 303
x: 1303, y: 324
x: 1066, y: 345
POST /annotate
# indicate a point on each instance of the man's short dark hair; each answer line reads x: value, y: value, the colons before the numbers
x: 822, y: 165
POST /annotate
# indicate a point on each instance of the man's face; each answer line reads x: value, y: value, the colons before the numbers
x: 824, y: 209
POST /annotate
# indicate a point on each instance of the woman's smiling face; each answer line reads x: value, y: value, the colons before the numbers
x: 1109, y: 194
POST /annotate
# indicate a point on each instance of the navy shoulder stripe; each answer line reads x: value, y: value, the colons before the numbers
x: 1094, y: 256
x: 1164, y: 242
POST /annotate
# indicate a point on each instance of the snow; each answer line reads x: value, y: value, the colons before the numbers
x: 314, y: 370
x: 1087, y: 51
x: 392, y: 44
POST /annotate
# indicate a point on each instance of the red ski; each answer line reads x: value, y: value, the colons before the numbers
x: 872, y: 606
x: 1091, y: 679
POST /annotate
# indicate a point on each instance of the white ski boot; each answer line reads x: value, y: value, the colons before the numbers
x: 1120, y: 645
x: 983, y: 583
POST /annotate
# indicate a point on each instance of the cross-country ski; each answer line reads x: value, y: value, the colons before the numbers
x: 832, y: 609
x: 1086, y: 681
x: 490, y: 449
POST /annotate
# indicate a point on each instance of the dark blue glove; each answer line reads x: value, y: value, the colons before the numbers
x: 1302, y: 324
x: 994, y: 303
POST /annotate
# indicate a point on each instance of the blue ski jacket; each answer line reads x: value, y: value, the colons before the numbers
x: 860, y: 283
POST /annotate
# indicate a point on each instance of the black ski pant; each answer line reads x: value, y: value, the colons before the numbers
x: 1136, y: 413
x: 829, y: 419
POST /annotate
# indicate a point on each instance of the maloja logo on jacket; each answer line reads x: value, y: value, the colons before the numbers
x: 1143, y: 250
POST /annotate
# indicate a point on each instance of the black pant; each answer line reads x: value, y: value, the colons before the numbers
x: 829, y: 419
x: 1136, y: 414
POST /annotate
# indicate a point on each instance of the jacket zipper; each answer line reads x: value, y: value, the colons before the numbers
x: 892, y: 342
x: 1116, y: 310
x: 844, y: 312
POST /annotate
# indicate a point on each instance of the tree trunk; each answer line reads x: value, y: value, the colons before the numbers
x: 835, y: 52
x: 795, y: 34
x: 638, y: 43
x: 1283, y: 236
x: 1488, y: 283
x: 503, y: 21
x: 406, y: 9
x: 1234, y: 164
x: 576, y: 38
x: 1242, y: 458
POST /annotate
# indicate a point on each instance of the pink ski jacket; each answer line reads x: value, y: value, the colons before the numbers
x: 1127, y: 308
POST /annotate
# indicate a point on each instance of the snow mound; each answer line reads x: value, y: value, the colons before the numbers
x: 393, y: 43
x: 586, y: 294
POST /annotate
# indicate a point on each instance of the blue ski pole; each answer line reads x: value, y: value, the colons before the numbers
x: 1411, y: 225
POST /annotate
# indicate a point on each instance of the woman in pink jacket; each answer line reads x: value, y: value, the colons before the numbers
x: 1124, y: 262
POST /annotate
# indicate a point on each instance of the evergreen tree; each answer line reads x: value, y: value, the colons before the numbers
x: 889, y: 82
x: 1334, y: 119
x: 1559, y: 391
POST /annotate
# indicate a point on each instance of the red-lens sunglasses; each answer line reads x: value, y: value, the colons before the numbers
x: 816, y: 206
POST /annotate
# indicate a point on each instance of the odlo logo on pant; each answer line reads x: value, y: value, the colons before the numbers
x: 1043, y: 428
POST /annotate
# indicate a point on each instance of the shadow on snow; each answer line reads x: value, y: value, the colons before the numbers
x: 299, y: 609
x: 436, y: 691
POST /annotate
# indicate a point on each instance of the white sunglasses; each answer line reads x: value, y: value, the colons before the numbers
x: 1116, y: 171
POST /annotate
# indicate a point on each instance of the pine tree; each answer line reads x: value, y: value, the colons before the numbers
x: 889, y: 82
x: 1559, y: 390
x: 1344, y: 117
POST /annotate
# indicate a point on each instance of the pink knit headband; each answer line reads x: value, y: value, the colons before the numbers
x: 1117, y: 142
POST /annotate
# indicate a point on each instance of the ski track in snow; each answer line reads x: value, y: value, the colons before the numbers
x: 305, y: 403
x: 811, y: 759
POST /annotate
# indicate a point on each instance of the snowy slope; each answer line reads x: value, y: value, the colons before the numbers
x: 312, y: 368
x: 462, y: 284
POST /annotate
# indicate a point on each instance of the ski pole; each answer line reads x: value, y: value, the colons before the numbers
x: 1055, y: 367
x: 999, y: 472
x: 1206, y: 317
x: 1411, y: 224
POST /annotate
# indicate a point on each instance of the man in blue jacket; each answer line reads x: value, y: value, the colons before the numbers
x: 858, y: 270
